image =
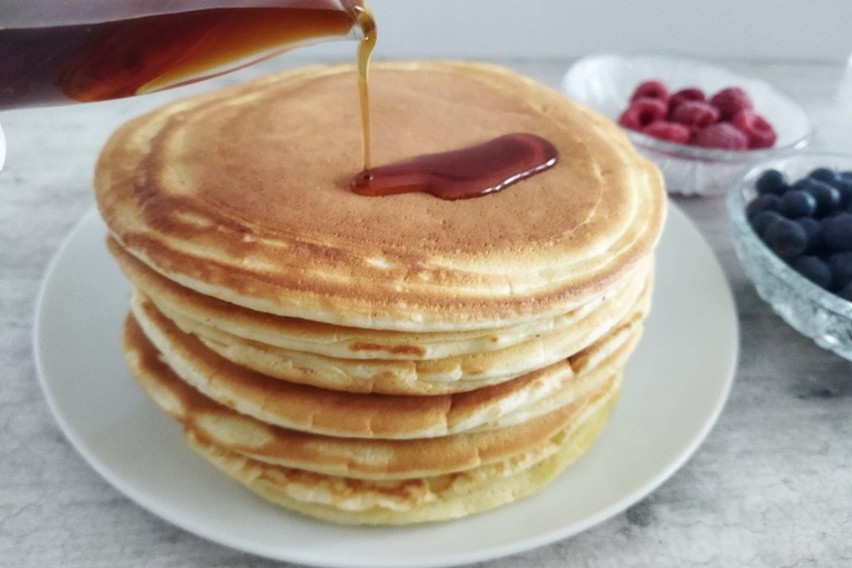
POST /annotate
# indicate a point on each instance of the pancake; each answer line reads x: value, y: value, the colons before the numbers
x: 437, y: 376
x: 242, y: 195
x: 425, y: 499
x: 359, y: 459
x: 379, y: 360
x: 341, y: 414
x: 195, y: 311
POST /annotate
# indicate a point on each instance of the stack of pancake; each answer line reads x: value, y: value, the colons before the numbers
x: 379, y: 360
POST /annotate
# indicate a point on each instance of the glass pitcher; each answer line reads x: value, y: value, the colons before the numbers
x: 65, y: 51
x: 56, y: 52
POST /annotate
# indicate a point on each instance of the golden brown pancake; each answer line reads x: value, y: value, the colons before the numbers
x: 437, y: 376
x: 341, y: 414
x: 361, y: 458
x: 195, y: 310
x: 243, y: 195
x: 424, y: 499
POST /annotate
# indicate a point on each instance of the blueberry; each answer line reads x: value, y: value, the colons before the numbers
x: 823, y: 223
x: 814, y: 269
x: 797, y: 203
x: 761, y: 221
x: 841, y: 268
x: 786, y: 238
x: 765, y: 202
x: 844, y: 186
x: 827, y: 196
x: 813, y: 229
x: 846, y: 175
x: 846, y: 292
x: 803, y: 183
x: 837, y: 232
x: 827, y: 175
x: 771, y: 181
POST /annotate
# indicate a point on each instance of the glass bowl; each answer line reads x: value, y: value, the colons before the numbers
x: 605, y: 82
x: 806, y: 307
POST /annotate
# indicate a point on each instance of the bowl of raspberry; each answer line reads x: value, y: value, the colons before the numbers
x: 699, y: 122
x: 791, y: 218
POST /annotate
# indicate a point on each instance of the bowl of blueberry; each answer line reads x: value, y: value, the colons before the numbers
x: 792, y: 228
x: 699, y: 122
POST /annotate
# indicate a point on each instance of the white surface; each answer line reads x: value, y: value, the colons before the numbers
x: 775, y: 30
x: 674, y: 390
x: 792, y: 30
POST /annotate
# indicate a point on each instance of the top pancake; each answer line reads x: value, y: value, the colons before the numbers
x: 243, y: 195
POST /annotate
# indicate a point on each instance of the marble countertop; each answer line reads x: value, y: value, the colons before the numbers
x: 770, y: 487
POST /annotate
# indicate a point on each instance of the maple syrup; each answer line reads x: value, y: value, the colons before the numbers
x: 461, y: 174
x: 367, y: 24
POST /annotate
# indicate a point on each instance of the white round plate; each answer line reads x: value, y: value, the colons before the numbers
x: 674, y: 389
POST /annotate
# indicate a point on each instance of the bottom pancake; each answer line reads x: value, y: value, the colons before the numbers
x: 387, y: 482
x: 430, y: 499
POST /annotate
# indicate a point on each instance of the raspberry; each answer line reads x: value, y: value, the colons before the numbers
x: 669, y: 131
x: 653, y: 89
x: 721, y: 135
x: 759, y: 132
x: 683, y: 95
x: 652, y: 103
x: 695, y: 114
x: 642, y: 112
x: 730, y: 101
